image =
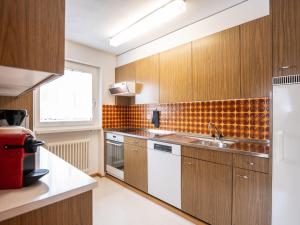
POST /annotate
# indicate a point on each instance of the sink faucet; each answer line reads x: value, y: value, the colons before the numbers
x: 218, y: 135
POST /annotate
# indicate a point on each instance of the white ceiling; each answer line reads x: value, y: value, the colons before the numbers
x: 93, y: 22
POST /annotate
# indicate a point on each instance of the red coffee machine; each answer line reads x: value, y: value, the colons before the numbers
x: 18, y: 148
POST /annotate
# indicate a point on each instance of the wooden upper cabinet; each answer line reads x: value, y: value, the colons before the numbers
x: 175, y: 75
x: 251, y: 198
x: 126, y: 73
x: 216, y: 66
x: 286, y: 37
x: 32, y: 35
x: 207, y: 190
x: 256, y: 58
x: 147, y: 80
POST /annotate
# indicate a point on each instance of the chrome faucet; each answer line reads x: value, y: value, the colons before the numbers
x: 218, y: 135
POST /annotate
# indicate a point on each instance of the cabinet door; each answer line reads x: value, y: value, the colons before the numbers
x: 32, y: 34
x: 251, y: 198
x: 286, y: 37
x: 125, y: 73
x: 147, y: 79
x: 214, y: 194
x: 207, y: 190
x: 135, y: 166
x: 216, y: 66
x: 189, y: 185
x: 256, y: 58
x: 175, y: 75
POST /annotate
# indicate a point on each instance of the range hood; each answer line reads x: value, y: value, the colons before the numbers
x: 127, y: 88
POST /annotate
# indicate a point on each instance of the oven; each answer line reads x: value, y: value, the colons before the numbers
x: 114, y: 155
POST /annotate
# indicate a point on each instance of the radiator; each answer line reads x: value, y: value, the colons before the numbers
x: 74, y: 152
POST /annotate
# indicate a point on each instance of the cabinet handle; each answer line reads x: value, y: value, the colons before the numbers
x: 287, y: 67
x: 251, y: 163
x: 189, y: 163
x: 243, y: 176
x: 115, y: 144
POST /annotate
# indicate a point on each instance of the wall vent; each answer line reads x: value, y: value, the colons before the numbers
x: 290, y: 79
x: 74, y: 152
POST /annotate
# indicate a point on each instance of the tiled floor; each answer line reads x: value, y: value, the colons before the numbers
x: 117, y: 205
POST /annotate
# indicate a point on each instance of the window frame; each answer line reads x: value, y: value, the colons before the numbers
x: 69, y: 125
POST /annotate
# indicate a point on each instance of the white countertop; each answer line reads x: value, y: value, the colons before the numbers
x: 63, y: 181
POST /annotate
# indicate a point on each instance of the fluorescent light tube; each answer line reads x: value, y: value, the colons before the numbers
x: 154, y: 19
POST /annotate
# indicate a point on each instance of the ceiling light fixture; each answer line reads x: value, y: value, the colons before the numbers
x: 154, y: 19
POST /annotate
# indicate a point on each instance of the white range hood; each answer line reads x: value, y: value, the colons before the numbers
x: 127, y: 88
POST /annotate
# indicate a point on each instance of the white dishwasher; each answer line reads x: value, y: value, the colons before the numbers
x: 164, y: 172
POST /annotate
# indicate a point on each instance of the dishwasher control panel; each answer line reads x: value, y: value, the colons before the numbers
x: 164, y: 147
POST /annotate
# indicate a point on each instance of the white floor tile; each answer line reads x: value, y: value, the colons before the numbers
x: 116, y: 205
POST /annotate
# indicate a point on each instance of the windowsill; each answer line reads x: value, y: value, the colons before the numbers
x: 51, y: 130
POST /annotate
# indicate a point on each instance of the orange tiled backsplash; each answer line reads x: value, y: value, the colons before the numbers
x: 243, y: 118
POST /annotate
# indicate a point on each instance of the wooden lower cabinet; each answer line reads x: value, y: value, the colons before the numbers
x: 251, y: 198
x: 77, y: 210
x: 135, y: 166
x: 207, y: 191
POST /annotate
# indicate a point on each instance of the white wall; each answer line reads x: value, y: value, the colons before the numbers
x: 107, y: 63
x: 90, y: 56
x: 239, y: 14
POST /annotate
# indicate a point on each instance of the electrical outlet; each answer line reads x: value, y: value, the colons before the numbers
x: 149, y: 116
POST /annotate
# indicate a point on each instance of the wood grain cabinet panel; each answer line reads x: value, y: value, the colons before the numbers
x: 32, y: 34
x: 175, y: 75
x: 207, y: 155
x: 135, y: 166
x: 147, y: 79
x: 189, y: 185
x: 251, y: 198
x: 21, y: 102
x: 251, y: 163
x: 125, y: 73
x: 286, y: 37
x: 76, y: 210
x: 207, y: 190
x: 135, y: 141
x: 256, y: 58
x: 216, y: 66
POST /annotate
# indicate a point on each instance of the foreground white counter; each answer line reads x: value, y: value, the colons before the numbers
x: 62, y: 182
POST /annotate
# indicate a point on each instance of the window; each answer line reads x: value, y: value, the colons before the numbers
x: 71, y: 99
x: 68, y: 98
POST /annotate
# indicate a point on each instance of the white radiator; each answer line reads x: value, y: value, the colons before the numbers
x: 74, y: 152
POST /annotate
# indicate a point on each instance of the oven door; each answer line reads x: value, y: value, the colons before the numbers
x: 115, y: 159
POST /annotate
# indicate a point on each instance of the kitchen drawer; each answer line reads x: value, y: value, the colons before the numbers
x: 207, y: 155
x: 135, y: 141
x: 251, y: 163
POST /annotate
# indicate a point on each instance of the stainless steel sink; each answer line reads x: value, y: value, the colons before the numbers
x: 213, y: 142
